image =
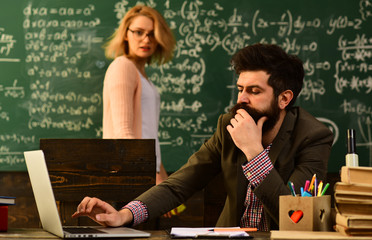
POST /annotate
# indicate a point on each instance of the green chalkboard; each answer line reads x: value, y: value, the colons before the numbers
x: 52, y: 67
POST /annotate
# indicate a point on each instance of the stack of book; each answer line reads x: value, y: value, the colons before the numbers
x: 353, y: 201
x: 6, y: 200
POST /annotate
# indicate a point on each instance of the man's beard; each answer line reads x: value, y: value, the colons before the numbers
x: 272, y: 114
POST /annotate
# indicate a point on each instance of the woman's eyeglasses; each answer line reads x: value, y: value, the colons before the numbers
x: 140, y: 35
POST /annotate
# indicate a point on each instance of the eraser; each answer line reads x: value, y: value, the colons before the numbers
x: 296, y: 216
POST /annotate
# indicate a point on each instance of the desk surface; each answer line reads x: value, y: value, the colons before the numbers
x: 308, y: 235
x: 37, y: 233
x: 27, y: 233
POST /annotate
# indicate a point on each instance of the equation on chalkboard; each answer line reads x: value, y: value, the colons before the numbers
x: 52, y: 68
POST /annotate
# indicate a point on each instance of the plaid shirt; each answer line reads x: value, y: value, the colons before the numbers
x: 139, y: 211
x: 255, y: 170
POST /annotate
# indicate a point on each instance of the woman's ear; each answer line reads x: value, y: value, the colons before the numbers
x: 285, y: 98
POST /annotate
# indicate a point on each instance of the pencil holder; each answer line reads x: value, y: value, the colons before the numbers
x: 305, y: 213
x: 3, y: 218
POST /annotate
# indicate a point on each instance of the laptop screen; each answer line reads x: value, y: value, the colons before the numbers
x: 47, y: 208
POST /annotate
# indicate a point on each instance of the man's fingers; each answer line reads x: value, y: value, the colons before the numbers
x: 233, y: 122
x: 76, y: 214
x: 238, y: 118
x: 242, y: 113
x: 90, y: 203
x: 229, y: 128
x: 82, y: 206
x: 86, y: 206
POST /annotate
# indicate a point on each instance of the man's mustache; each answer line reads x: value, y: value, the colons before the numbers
x: 256, y: 115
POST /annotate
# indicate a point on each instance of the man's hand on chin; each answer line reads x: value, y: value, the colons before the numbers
x: 246, y: 134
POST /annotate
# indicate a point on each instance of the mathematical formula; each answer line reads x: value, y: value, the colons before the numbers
x: 62, y: 66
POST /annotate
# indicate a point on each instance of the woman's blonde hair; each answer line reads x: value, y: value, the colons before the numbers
x: 117, y: 45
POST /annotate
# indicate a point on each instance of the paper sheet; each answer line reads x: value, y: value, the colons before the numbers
x: 179, y: 232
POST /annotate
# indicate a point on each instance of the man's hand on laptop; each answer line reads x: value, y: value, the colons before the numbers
x: 103, y: 213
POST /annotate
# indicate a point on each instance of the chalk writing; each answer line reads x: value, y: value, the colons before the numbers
x: 11, y: 158
x: 354, y: 54
x: 364, y: 116
x: 216, y: 28
x: 51, y: 37
x: 356, y: 108
x: 17, y: 138
x: 6, y: 42
x: 311, y: 89
x: 13, y: 91
x: 53, y: 66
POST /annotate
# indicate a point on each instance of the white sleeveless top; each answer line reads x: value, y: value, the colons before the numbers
x: 150, y: 107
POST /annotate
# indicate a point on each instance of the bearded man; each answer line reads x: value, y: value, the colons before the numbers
x: 259, y: 146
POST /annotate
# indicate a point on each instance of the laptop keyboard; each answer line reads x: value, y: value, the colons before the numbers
x: 82, y: 230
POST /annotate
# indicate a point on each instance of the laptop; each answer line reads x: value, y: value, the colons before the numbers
x: 47, y: 207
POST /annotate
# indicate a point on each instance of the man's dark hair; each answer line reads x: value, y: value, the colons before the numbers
x: 286, y: 71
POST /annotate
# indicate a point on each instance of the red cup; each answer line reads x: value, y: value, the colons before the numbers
x: 3, y: 218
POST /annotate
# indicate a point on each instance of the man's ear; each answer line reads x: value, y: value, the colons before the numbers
x: 285, y: 98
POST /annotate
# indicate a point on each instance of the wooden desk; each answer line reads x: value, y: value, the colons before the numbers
x: 289, y: 235
x: 27, y: 233
x: 38, y: 233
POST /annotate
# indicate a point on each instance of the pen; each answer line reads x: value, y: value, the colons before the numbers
x: 302, y: 191
x: 312, y: 183
x: 294, y: 192
x: 233, y: 229
x: 290, y: 184
x: 307, y: 183
x: 320, y: 186
x: 325, y: 189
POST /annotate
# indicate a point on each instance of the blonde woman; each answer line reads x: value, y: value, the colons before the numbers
x: 131, y: 103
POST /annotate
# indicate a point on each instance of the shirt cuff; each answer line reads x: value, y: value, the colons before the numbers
x: 258, y: 168
x: 139, y: 211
